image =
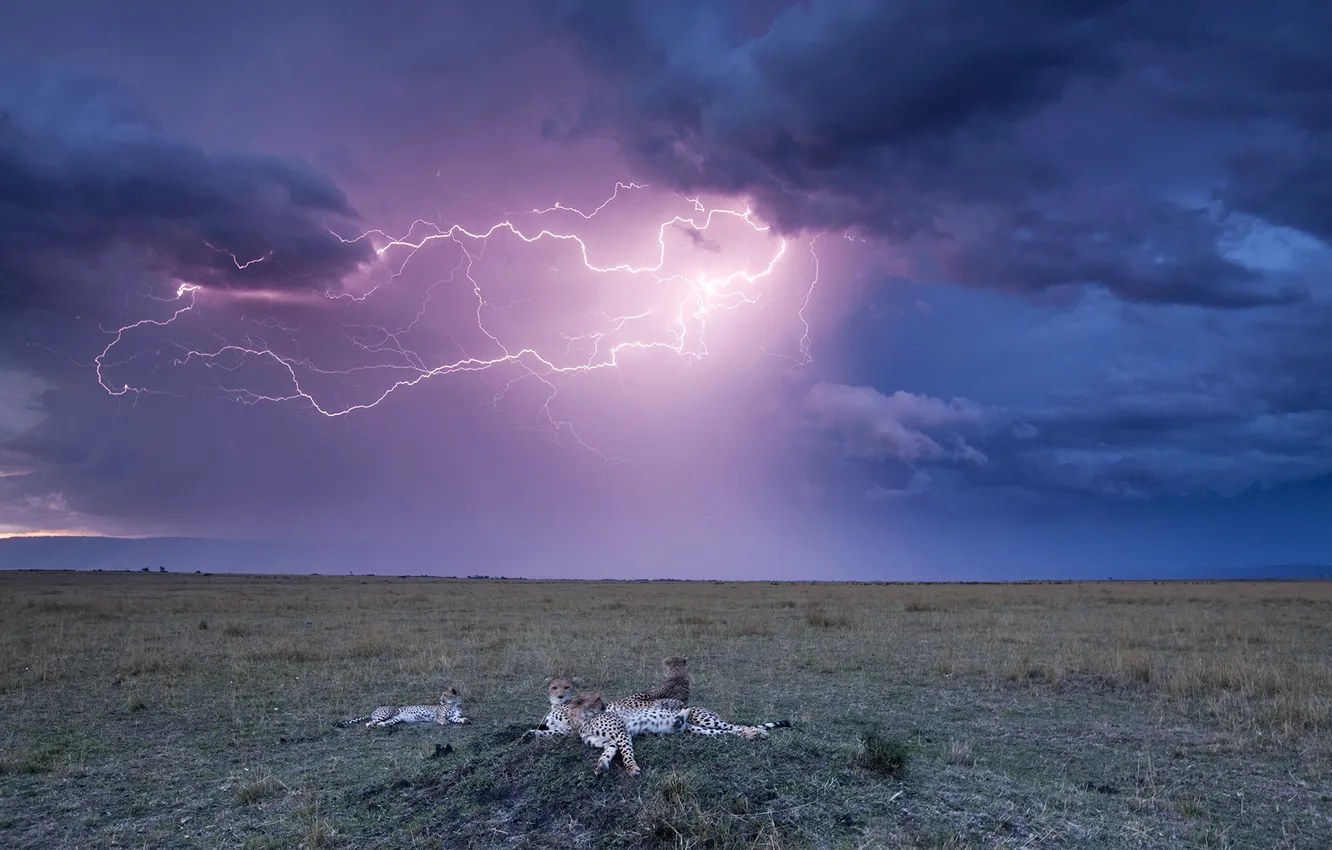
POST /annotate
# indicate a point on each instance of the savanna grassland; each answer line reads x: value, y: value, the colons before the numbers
x: 164, y: 710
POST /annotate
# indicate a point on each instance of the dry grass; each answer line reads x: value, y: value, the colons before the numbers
x: 196, y: 711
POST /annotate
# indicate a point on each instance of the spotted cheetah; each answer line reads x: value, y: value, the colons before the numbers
x: 601, y: 728
x: 676, y: 684
x: 658, y: 716
x: 661, y: 717
x: 449, y: 710
x: 645, y: 708
x: 645, y: 716
x: 560, y: 692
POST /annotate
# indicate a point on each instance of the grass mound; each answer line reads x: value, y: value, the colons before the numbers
x: 693, y: 792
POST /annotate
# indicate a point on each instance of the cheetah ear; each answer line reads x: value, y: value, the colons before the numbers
x: 577, y: 681
x: 550, y: 679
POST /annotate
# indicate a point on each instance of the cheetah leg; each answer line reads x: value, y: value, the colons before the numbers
x: 703, y: 721
x: 455, y: 715
x: 352, y: 722
x: 749, y: 733
x: 627, y: 756
x: 446, y: 720
x: 626, y: 750
x: 604, y: 762
x: 727, y: 729
x: 542, y: 733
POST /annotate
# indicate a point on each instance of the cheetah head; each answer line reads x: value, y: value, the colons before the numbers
x: 674, y: 665
x: 561, y: 690
x: 585, y: 704
x: 449, y: 696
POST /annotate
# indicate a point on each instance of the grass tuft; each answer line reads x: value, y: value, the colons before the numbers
x: 819, y: 617
x: 258, y: 790
x: 959, y: 753
x: 885, y: 755
x: 25, y: 763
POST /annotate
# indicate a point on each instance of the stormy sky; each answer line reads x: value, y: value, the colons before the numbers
x: 760, y: 289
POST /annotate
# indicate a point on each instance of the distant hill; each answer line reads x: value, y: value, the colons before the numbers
x: 1258, y: 573
x: 190, y: 554
x: 181, y: 554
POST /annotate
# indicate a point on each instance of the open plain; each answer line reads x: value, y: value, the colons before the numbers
x: 167, y: 710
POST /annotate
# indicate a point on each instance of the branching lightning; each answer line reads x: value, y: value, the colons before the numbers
x: 389, y: 365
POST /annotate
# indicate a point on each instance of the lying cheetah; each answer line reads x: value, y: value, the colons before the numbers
x: 654, y: 716
x: 601, y: 728
x: 660, y: 717
x: 560, y: 692
x: 449, y: 710
x: 646, y: 708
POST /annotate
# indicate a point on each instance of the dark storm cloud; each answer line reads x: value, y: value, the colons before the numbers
x: 1196, y: 450
x: 1143, y: 446
x: 913, y: 121
x: 831, y: 94
x: 93, y: 192
x: 1149, y: 253
x: 1238, y: 60
x: 1267, y: 66
x: 1287, y: 187
x: 1293, y: 364
x: 1228, y: 418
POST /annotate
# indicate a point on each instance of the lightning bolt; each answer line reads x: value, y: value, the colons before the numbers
x: 389, y: 365
x: 240, y: 265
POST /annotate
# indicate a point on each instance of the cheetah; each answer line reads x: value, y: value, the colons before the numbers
x: 449, y: 710
x: 662, y: 717
x: 645, y: 715
x: 560, y: 692
x: 657, y: 710
x: 658, y: 716
x: 601, y: 728
x: 644, y: 710
x: 676, y: 684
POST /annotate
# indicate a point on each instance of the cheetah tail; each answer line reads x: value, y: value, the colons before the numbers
x: 776, y: 724
x: 343, y: 724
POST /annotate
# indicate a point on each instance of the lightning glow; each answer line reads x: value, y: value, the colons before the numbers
x: 681, y: 300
